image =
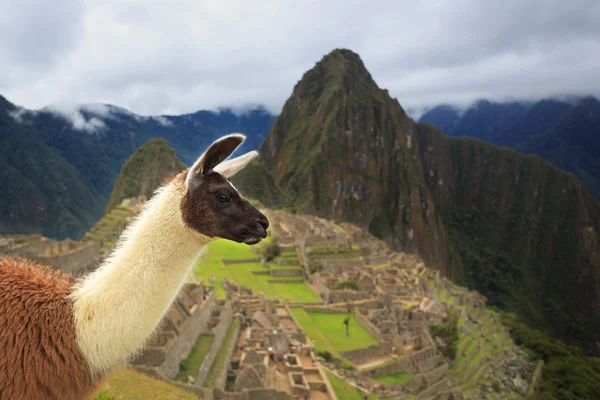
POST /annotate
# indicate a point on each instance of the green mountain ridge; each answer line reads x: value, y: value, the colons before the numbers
x: 57, y: 178
x: 145, y: 171
x: 519, y: 230
x: 41, y: 192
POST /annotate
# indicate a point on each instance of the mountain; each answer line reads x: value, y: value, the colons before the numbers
x: 145, y: 171
x: 565, y: 133
x: 483, y: 120
x: 514, y: 227
x: 41, y: 192
x: 90, y: 143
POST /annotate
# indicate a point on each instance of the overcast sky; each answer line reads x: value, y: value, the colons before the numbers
x: 176, y: 56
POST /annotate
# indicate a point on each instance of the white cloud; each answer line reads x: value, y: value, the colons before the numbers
x: 164, y: 121
x: 18, y: 114
x: 72, y: 113
x: 157, y: 57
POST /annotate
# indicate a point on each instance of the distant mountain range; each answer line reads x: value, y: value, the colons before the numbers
x: 514, y: 227
x: 565, y: 133
x: 58, y: 165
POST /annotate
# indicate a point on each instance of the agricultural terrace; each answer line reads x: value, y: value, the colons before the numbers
x: 328, y: 332
x: 212, y: 266
x: 344, y: 390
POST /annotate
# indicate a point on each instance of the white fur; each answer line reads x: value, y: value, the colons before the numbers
x: 198, y: 164
x: 119, y: 305
x: 231, y: 167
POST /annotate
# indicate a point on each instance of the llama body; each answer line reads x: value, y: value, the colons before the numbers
x: 59, y: 337
x: 39, y: 354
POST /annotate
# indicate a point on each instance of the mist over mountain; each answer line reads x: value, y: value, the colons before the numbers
x: 85, y: 146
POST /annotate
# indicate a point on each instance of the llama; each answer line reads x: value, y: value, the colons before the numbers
x: 60, y: 336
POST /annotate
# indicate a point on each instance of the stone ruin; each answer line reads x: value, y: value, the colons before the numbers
x: 67, y: 255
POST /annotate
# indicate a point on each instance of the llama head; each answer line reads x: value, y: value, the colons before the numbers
x: 211, y: 205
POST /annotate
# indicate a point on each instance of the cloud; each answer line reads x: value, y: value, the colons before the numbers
x: 164, y: 121
x: 157, y: 58
x: 73, y: 114
x: 18, y: 114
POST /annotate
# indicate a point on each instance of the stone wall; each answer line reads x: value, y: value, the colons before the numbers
x: 369, y: 326
x: 221, y: 380
x: 286, y: 272
x: 166, y: 350
x: 240, y: 261
x: 219, y: 333
x: 246, y: 394
x: 285, y: 261
x: 185, y: 340
x: 285, y: 280
x: 436, y: 388
x: 435, y: 375
x: 67, y: 255
x: 425, y: 359
x: 338, y: 296
x: 371, y: 352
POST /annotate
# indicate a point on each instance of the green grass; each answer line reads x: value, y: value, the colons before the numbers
x: 394, y: 379
x: 242, y: 273
x: 128, y: 384
x: 193, y: 362
x: 329, y: 331
x: 219, y: 362
x: 344, y: 391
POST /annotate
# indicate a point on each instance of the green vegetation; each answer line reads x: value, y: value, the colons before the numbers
x: 345, y: 391
x: 145, y: 171
x: 328, y: 331
x: 191, y: 365
x: 270, y: 250
x: 105, y: 394
x: 346, y: 285
x: 128, y: 384
x: 448, y: 332
x: 567, y: 374
x: 219, y: 362
x: 213, y: 267
x: 41, y: 191
x: 394, y: 379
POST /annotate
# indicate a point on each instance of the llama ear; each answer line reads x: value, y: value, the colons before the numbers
x: 233, y: 166
x: 216, y: 153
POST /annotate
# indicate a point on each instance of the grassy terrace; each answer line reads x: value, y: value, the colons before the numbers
x: 242, y: 273
x: 394, y: 379
x: 328, y: 331
x: 219, y: 362
x: 128, y: 384
x: 193, y: 362
x: 344, y: 390
x: 478, y: 344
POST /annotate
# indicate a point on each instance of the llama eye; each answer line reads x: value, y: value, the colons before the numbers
x: 222, y: 197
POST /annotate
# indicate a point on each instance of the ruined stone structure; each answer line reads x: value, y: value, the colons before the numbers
x: 188, y: 317
x: 67, y: 255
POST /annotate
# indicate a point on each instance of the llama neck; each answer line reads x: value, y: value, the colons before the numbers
x: 119, y: 305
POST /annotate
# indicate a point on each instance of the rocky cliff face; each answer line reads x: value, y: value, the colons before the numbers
x: 342, y: 149
x: 514, y: 227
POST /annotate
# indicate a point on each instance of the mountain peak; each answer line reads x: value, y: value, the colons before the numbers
x: 144, y: 171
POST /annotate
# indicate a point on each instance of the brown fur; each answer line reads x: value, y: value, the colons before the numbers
x: 39, y: 355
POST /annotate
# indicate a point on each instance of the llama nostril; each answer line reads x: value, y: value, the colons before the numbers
x: 264, y: 223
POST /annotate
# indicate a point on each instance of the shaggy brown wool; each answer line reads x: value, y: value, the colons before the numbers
x: 39, y: 355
